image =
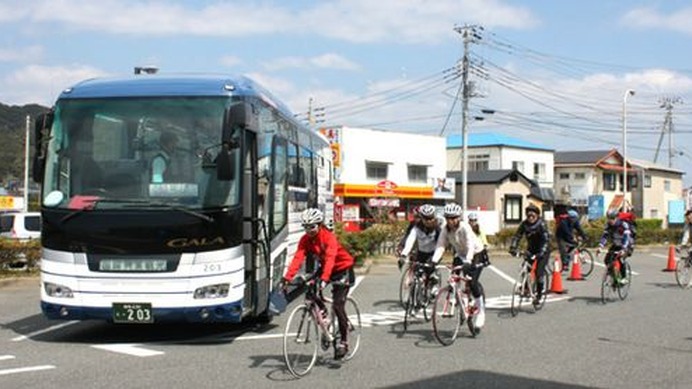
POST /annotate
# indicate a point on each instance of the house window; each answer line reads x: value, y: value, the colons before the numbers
x: 480, y: 162
x: 512, y: 208
x: 417, y: 173
x: 539, y: 171
x: 654, y: 213
x: 647, y: 181
x: 632, y: 181
x: 666, y: 185
x: 376, y: 170
x: 564, y: 176
x: 609, y: 181
x: 518, y: 165
x: 579, y: 176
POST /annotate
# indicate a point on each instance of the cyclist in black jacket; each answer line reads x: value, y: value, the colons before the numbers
x: 538, y: 242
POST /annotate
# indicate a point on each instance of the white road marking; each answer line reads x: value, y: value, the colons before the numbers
x: 502, y: 274
x: 6, y: 357
x: 129, y: 349
x: 255, y: 337
x: 43, y: 331
x: 26, y: 369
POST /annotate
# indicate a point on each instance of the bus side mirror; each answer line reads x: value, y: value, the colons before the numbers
x: 239, y: 116
x: 42, y: 127
x: 225, y: 164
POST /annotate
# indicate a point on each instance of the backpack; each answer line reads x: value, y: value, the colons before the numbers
x: 630, y: 218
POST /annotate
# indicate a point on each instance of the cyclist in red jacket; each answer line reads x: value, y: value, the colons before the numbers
x: 336, y: 266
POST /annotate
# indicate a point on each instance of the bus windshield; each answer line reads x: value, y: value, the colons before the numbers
x: 117, y: 153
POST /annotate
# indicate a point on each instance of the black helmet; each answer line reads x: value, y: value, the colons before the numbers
x: 533, y: 208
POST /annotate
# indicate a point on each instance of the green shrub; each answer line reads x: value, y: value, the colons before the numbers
x: 14, y: 252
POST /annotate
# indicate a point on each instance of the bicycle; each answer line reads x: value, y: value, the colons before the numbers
x: 585, y: 258
x: 419, y: 293
x: 526, y: 285
x: 405, y: 284
x: 308, y: 329
x: 453, y: 306
x: 683, y: 276
x: 612, y: 283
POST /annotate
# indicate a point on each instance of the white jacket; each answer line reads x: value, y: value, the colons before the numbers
x: 464, y: 242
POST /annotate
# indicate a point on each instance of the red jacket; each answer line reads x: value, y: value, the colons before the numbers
x: 333, y: 257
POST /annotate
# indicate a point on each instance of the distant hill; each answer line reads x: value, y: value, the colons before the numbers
x: 12, y: 133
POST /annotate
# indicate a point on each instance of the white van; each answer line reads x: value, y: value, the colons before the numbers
x: 20, y: 225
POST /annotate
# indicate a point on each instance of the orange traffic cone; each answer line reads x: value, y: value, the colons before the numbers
x: 556, y: 284
x: 575, y: 275
x: 671, y: 259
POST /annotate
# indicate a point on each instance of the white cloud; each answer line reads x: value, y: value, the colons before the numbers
x: 22, y: 54
x: 647, y: 17
x: 37, y: 84
x: 410, y: 21
x: 324, y: 61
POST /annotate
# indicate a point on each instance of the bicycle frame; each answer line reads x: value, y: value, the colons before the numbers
x: 611, y: 283
x: 526, y: 285
x: 454, y: 298
x: 313, y: 328
x: 419, y: 293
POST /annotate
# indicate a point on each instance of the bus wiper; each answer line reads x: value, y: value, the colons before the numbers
x: 136, y: 202
x: 180, y: 209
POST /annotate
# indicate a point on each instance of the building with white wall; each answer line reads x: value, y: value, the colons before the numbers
x: 380, y: 171
x: 491, y: 151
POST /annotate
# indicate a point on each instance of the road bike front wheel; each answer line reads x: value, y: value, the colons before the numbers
x: 410, y: 305
x: 519, y: 293
x: 624, y: 288
x: 683, y: 274
x: 539, y: 303
x: 608, y: 286
x: 354, y: 325
x: 586, y: 261
x: 405, y: 285
x: 301, y: 339
x: 447, y: 316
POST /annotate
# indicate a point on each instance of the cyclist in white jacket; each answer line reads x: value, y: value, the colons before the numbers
x: 424, y: 235
x: 468, y: 252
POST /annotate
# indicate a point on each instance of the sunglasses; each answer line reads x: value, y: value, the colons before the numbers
x: 310, y: 227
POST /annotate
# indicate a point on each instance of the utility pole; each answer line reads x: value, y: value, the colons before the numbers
x: 667, y: 103
x: 26, y: 163
x: 469, y: 35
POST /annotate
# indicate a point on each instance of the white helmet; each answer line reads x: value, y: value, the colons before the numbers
x: 473, y: 216
x: 452, y: 210
x: 427, y: 211
x: 312, y: 216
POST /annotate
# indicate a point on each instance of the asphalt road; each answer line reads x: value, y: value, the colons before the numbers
x: 575, y: 341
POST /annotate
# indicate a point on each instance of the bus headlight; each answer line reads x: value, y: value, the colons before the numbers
x: 57, y: 290
x: 212, y: 291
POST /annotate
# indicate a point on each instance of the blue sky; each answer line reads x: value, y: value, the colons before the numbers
x: 554, y: 72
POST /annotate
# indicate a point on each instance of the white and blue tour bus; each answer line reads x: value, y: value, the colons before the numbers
x: 202, y: 235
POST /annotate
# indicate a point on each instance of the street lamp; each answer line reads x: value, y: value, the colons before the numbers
x: 628, y: 92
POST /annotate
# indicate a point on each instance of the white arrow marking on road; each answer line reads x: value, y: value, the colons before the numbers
x: 129, y: 349
x: 26, y: 369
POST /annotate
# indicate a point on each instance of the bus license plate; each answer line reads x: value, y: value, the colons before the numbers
x: 132, y: 313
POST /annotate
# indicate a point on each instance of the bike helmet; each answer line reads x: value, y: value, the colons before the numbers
x: 452, y: 210
x: 312, y: 216
x: 612, y: 214
x: 473, y: 216
x: 427, y: 211
x: 533, y: 208
x: 574, y: 215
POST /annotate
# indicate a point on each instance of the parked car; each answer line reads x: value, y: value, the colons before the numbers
x: 20, y: 225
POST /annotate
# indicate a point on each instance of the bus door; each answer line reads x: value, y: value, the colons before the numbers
x: 257, y: 265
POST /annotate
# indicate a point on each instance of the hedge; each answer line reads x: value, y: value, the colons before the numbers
x: 22, y: 255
